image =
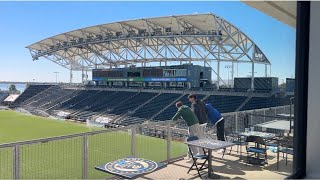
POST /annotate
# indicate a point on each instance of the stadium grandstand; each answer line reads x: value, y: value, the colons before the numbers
x: 124, y: 90
x: 3, y: 96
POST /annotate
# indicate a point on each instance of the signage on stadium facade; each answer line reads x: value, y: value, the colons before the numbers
x: 165, y: 79
x: 258, y: 55
x: 139, y: 79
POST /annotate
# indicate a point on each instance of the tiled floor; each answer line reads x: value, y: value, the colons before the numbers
x: 229, y: 167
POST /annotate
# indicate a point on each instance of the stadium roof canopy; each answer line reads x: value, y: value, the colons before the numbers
x: 183, y: 38
x: 284, y: 11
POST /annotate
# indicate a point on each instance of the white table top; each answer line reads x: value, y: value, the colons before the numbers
x: 210, y: 143
x: 276, y: 124
x: 286, y: 115
x: 264, y: 135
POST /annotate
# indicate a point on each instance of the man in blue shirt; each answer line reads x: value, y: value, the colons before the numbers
x: 217, y: 120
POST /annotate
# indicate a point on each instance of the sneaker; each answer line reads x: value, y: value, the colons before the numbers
x: 189, y: 160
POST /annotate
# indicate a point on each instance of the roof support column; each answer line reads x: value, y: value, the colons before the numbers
x: 95, y: 65
x: 71, y: 75
x: 218, y: 73
x: 189, y: 53
x: 270, y: 71
x: 237, y: 69
x: 252, y: 77
x: 82, y: 75
x: 232, y: 71
x: 266, y: 70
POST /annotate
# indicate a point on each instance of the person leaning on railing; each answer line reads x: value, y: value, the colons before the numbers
x: 199, y: 108
x: 192, y: 122
x: 216, y: 119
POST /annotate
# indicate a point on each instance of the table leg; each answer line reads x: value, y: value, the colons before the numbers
x: 210, y: 171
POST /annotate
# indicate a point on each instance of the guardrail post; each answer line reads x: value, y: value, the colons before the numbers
x: 168, y: 142
x: 85, y: 157
x: 133, y: 141
x: 236, y: 119
x: 16, y: 162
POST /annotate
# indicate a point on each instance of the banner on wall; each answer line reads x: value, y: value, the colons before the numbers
x: 258, y: 55
x: 139, y: 79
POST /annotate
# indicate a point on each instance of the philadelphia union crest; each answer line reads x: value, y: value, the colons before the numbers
x: 131, y: 166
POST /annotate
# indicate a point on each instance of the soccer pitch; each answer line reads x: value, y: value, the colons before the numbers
x: 62, y: 159
x: 16, y: 126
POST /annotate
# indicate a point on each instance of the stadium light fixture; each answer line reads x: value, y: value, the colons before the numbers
x: 228, y: 67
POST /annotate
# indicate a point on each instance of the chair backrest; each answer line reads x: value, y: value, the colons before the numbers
x: 192, y: 138
x: 228, y: 131
x: 255, y: 139
x: 287, y: 142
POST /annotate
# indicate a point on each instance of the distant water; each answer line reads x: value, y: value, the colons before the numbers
x: 5, y: 87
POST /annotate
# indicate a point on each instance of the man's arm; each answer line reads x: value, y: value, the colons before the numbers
x: 192, y: 107
x: 205, y: 107
x: 176, y: 116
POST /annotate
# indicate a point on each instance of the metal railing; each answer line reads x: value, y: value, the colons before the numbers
x: 236, y: 120
x: 74, y: 156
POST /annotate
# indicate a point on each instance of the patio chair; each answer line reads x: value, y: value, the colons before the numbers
x: 235, y: 138
x: 286, y: 147
x: 196, y: 157
x: 274, y: 142
x: 260, y: 148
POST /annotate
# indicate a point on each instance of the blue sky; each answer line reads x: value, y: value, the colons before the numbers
x: 23, y: 23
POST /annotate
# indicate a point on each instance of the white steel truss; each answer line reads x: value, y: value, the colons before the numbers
x: 197, y: 37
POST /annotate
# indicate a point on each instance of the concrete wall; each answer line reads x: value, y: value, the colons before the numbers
x: 313, y: 133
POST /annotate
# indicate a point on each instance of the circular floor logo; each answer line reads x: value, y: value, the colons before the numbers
x: 131, y: 166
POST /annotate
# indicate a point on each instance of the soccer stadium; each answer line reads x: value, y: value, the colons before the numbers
x: 140, y: 68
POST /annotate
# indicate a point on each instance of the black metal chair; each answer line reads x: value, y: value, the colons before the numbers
x: 286, y: 147
x: 235, y: 138
x: 196, y: 157
x: 259, y: 148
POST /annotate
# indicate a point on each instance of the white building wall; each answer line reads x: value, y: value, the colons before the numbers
x: 313, y: 131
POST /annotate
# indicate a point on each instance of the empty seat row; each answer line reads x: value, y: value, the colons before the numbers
x: 169, y: 112
x: 31, y: 91
x: 154, y: 106
x: 265, y: 102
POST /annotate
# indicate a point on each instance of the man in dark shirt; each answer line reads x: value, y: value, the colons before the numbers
x: 199, y: 108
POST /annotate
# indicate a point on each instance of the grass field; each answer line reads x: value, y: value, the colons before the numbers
x: 16, y: 126
x: 62, y: 159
